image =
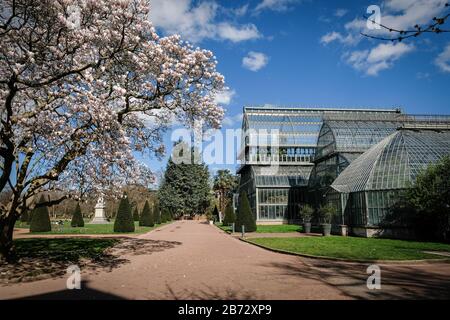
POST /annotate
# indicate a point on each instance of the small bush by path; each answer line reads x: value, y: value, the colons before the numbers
x: 353, y: 248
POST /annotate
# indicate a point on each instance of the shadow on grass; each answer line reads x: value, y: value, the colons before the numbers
x: 426, y: 281
x: 46, y: 258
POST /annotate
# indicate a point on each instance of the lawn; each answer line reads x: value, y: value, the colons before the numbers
x: 71, y: 249
x: 88, y: 228
x: 355, y: 248
x: 279, y: 228
x: 47, y: 258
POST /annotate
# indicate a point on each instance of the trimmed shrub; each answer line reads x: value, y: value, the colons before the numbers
x: 124, y: 219
x: 25, y: 217
x: 136, y: 214
x: 215, y: 214
x: 164, y: 215
x: 245, y: 215
x: 40, y: 221
x: 157, y: 213
x: 230, y: 216
x: 77, y: 217
x: 146, y: 219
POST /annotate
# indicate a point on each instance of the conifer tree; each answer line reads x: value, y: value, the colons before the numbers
x: 77, y: 217
x: 245, y: 215
x: 146, y: 219
x: 40, y: 221
x: 124, y: 218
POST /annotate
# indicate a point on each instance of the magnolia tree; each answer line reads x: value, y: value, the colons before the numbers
x: 84, y: 85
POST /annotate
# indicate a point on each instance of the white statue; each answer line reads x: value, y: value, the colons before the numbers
x: 100, y: 201
x: 99, y: 217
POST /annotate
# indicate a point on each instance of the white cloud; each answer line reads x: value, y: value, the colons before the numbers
x: 379, y: 58
x: 397, y: 14
x: 196, y: 22
x: 225, y: 96
x: 241, y: 11
x: 401, y: 15
x: 254, y: 61
x: 236, y: 34
x: 443, y: 59
x: 275, y: 5
x: 340, y: 13
x: 349, y: 39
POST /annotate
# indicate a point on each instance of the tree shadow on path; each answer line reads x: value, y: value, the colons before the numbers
x: 49, y: 258
x: 397, y: 281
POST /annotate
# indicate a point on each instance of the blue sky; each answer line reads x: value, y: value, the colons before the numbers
x: 310, y: 53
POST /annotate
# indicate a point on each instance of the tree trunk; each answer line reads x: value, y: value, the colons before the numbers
x: 6, y: 238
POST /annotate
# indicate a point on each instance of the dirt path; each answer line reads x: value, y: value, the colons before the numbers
x: 193, y: 260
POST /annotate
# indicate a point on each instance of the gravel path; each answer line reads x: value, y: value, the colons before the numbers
x: 194, y: 260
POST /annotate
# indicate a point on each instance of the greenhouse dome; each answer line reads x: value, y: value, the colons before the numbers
x: 365, y: 191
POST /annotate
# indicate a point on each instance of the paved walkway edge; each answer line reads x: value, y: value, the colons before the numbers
x: 423, y: 261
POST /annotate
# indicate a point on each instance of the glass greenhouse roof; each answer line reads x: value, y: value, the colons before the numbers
x: 352, y: 136
x: 282, y: 176
x: 301, y: 126
x: 394, y: 161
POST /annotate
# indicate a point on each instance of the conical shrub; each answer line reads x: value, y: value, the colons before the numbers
x: 230, y: 216
x: 40, y: 221
x: 25, y: 217
x: 124, y: 219
x: 77, y: 217
x: 157, y: 213
x: 164, y: 215
x: 136, y: 214
x: 215, y: 214
x: 245, y: 215
x: 146, y: 216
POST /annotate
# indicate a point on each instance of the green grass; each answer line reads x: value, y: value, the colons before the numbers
x: 62, y: 249
x: 281, y: 228
x: 87, y: 229
x: 355, y: 248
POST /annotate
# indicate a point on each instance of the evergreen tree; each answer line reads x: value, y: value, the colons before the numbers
x: 216, y: 214
x: 40, y: 221
x: 124, y: 218
x: 156, y: 213
x: 136, y: 214
x: 164, y: 215
x: 185, y: 187
x: 230, y: 216
x: 146, y: 219
x: 77, y: 217
x: 25, y: 217
x: 245, y: 215
x: 428, y: 201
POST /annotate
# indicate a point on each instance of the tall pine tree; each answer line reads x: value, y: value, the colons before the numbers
x: 185, y: 188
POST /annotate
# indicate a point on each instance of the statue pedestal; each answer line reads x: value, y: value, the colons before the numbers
x: 99, y: 217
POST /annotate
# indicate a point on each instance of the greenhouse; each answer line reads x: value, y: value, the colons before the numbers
x: 366, y: 190
x: 280, y: 148
x: 342, y: 141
